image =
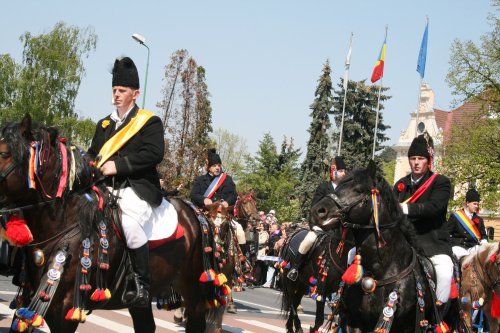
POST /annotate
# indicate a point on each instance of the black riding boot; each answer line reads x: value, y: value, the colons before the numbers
x: 296, y: 263
x: 140, y: 263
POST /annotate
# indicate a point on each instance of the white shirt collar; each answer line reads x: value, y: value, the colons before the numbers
x: 114, y: 116
x: 417, y: 180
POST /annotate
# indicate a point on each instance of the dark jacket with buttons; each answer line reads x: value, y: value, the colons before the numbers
x: 428, y: 213
x: 136, y: 161
x: 226, y: 192
x: 460, y: 237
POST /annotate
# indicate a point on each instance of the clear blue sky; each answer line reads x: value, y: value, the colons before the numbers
x: 263, y: 58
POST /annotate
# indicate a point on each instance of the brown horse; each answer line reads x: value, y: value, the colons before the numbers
x: 61, y: 210
x: 481, y: 280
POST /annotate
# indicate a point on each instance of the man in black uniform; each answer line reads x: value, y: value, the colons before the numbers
x: 127, y: 146
x: 423, y: 196
x: 337, y: 172
x: 214, y: 185
x: 466, y: 228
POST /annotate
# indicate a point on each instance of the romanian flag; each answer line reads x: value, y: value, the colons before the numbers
x: 378, y: 71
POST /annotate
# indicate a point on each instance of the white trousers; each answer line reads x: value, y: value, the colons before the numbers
x: 136, y: 218
x: 444, y: 272
x: 460, y: 252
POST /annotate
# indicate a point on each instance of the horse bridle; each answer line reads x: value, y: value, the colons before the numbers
x: 9, y: 169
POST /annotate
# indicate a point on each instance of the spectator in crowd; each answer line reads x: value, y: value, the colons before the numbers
x: 260, y: 265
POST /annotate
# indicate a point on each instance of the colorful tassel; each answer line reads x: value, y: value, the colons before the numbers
x: 354, y: 273
x: 454, y: 290
x: 69, y: 314
x: 442, y: 327
x: 17, y: 232
x: 495, y: 306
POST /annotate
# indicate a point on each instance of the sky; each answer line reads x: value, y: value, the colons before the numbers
x: 262, y: 58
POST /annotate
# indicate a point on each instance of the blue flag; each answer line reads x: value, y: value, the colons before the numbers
x: 422, y: 55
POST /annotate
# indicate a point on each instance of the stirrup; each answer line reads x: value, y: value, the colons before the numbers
x: 293, y: 274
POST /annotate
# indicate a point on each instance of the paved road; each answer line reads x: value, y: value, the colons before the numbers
x: 258, y: 311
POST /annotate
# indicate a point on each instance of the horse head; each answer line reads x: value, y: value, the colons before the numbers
x: 349, y: 203
x: 490, y: 260
x: 217, y: 213
x: 245, y: 209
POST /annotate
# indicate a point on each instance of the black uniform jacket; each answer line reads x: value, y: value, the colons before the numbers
x: 136, y: 161
x: 322, y: 191
x: 227, y: 191
x: 428, y: 213
x: 460, y: 237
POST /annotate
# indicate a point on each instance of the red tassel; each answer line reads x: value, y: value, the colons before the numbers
x: 69, y: 314
x: 495, y: 306
x: 442, y: 327
x: 354, y: 273
x: 17, y: 232
x: 453, y: 290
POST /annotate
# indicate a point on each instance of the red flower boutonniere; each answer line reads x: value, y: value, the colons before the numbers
x: 401, y: 187
x: 476, y: 220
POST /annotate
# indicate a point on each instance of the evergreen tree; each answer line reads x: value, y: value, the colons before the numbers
x: 273, y: 177
x: 359, y: 122
x: 316, y: 161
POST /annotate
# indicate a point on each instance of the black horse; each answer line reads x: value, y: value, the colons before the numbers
x: 365, y: 204
x: 326, y: 257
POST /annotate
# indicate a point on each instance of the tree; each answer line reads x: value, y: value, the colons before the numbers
x: 317, y: 157
x: 359, y: 122
x: 274, y: 177
x: 187, y: 119
x: 47, y: 81
x: 232, y: 150
x: 472, y: 153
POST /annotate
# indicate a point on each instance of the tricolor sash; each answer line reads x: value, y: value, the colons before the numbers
x: 468, y: 225
x: 123, y: 135
x: 421, y: 190
x: 214, y: 185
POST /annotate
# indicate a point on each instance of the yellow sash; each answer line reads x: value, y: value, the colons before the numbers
x: 124, y: 134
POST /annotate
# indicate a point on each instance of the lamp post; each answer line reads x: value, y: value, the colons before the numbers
x: 141, y: 40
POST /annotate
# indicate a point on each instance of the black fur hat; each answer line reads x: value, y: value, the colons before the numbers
x: 472, y: 196
x: 125, y: 73
x: 421, y: 146
x: 339, y: 163
x: 213, y: 157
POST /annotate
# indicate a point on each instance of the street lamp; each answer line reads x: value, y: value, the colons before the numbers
x: 141, y: 40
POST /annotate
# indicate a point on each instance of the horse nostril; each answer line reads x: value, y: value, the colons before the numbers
x: 321, y: 212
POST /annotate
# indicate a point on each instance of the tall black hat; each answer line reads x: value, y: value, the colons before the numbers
x: 472, y: 196
x: 213, y: 157
x: 339, y: 163
x: 422, y: 145
x: 125, y: 73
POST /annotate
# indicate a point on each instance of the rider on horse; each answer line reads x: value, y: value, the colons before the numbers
x: 423, y: 196
x: 214, y: 185
x: 466, y: 228
x: 127, y: 146
x: 337, y: 172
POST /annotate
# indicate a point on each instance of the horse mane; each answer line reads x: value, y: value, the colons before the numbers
x: 392, y: 208
x: 17, y: 143
x: 489, y: 248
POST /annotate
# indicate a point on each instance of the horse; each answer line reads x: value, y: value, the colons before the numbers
x: 481, y: 280
x: 394, y: 292
x: 63, y: 208
x: 293, y: 291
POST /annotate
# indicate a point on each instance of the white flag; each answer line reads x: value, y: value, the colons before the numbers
x: 347, y: 64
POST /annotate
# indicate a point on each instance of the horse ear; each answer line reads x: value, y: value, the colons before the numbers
x: 25, y: 127
x: 372, y: 169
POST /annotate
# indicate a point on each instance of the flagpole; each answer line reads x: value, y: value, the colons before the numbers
x: 378, y: 108
x: 346, y: 83
x: 422, y: 55
x: 376, y: 120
